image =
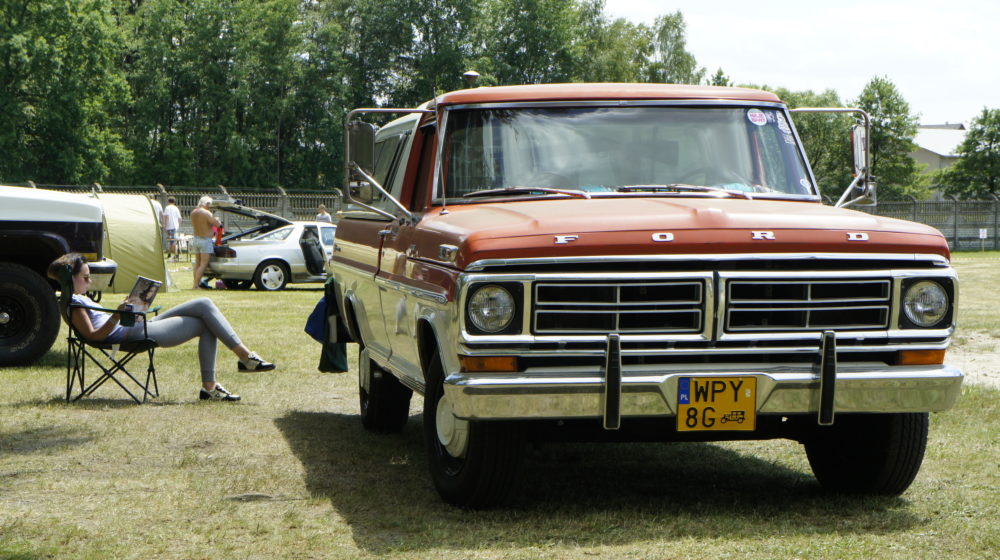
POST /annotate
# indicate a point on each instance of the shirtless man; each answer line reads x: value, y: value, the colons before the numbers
x: 203, y: 244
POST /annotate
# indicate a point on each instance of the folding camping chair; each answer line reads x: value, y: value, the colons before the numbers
x: 104, y: 355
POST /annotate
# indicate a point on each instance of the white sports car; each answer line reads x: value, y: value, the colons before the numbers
x: 267, y: 250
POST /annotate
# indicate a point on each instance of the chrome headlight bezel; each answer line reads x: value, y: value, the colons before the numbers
x: 927, y: 303
x: 493, y: 308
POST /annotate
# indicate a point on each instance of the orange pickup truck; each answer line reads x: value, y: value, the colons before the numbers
x: 622, y: 262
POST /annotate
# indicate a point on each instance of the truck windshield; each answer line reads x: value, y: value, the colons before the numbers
x: 623, y: 149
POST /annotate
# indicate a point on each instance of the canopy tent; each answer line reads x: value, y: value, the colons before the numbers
x: 133, y: 240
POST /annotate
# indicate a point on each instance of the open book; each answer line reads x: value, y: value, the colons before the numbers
x: 143, y: 292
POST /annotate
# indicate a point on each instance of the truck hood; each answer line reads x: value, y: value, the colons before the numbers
x: 651, y: 226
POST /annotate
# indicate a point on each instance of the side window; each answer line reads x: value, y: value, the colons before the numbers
x: 276, y: 235
x: 425, y: 173
x: 385, y: 155
x: 327, y: 233
x: 386, y: 162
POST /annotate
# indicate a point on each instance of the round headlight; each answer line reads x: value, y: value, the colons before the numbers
x: 491, y: 308
x: 925, y: 303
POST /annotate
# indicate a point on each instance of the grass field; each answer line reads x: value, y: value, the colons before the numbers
x: 290, y: 473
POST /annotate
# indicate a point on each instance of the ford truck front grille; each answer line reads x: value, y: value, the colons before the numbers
x: 753, y: 304
x: 622, y: 307
x: 767, y: 305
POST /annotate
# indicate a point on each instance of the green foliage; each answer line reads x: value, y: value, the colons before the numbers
x: 253, y: 93
x: 892, y: 132
x: 976, y: 175
x: 62, y: 93
x: 672, y: 63
x: 824, y: 137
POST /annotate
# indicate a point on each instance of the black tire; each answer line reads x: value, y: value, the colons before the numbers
x: 237, y: 284
x: 485, y: 475
x: 29, y: 315
x: 385, y: 403
x: 869, y: 453
x: 271, y: 276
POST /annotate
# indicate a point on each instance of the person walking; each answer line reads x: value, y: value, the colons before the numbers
x: 171, y: 222
x: 203, y: 242
x: 322, y: 215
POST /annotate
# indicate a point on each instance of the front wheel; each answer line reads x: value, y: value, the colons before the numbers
x: 385, y: 402
x: 271, y: 276
x: 869, y: 453
x: 473, y: 464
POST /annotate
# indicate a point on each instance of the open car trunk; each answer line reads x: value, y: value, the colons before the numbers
x: 243, y: 221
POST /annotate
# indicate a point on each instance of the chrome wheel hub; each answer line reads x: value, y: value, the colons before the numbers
x: 452, y: 432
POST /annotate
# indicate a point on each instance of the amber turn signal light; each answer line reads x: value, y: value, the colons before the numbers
x: 920, y: 357
x: 488, y: 363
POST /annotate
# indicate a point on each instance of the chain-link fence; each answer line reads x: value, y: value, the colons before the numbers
x: 967, y: 224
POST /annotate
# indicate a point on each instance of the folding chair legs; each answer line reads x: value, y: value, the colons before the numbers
x: 76, y: 361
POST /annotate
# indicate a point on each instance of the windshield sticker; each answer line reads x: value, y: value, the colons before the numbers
x: 757, y: 117
x: 783, y: 124
x: 788, y: 139
x: 804, y: 183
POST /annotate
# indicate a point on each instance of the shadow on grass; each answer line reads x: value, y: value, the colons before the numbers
x: 579, y: 494
x: 36, y: 440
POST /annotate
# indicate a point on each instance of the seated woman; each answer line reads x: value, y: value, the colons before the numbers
x: 196, y: 318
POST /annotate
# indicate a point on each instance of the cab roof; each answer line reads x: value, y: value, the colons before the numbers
x: 601, y: 92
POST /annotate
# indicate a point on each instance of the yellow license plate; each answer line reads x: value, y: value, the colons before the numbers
x: 716, y: 404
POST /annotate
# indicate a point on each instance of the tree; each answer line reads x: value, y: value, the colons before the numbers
x: 609, y: 50
x: 824, y: 137
x: 671, y: 62
x: 439, y: 50
x: 62, y: 95
x: 891, y: 142
x: 720, y: 79
x: 976, y: 175
x: 527, y: 41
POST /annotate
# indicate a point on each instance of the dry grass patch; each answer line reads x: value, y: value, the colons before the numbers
x: 290, y: 473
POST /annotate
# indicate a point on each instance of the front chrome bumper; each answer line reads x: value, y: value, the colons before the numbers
x: 652, y: 390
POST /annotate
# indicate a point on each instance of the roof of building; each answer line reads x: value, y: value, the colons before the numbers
x: 941, y: 139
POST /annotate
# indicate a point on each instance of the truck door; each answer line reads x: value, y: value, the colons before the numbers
x: 400, y: 275
x: 360, y: 236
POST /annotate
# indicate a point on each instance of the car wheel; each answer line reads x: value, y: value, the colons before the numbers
x: 385, y: 402
x: 869, y: 453
x: 271, y: 276
x: 473, y: 464
x: 29, y: 315
x: 237, y: 284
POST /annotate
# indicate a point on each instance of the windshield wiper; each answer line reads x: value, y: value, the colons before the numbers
x: 682, y: 187
x: 526, y: 190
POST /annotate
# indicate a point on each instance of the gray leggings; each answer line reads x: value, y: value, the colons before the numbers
x: 198, y: 317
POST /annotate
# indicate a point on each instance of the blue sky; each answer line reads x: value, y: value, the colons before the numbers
x: 944, y: 57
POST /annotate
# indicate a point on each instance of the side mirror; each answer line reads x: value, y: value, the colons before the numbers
x: 859, y: 146
x: 362, y: 192
x: 361, y: 145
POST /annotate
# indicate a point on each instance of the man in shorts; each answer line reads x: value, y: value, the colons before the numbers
x: 171, y: 222
x: 202, y: 244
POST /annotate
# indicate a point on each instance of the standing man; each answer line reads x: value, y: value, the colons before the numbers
x: 203, y: 242
x: 171, y: 223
